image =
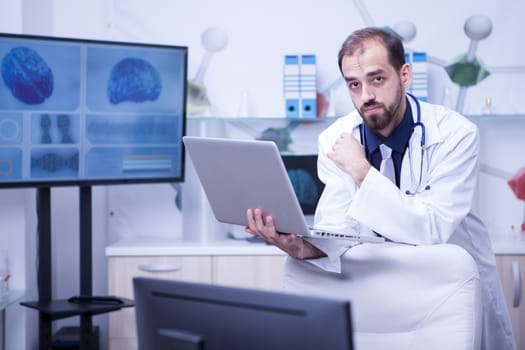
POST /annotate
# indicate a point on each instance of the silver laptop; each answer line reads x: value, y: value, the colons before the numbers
x: 241, y: 174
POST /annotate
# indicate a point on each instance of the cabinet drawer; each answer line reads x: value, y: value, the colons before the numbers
x: 123, y: 344
x: 121, y: 271
x: 258, y: 272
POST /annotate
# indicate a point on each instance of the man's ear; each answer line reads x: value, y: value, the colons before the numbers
x: 406, y: 75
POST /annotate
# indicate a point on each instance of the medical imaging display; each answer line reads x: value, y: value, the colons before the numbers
x: 302, y: 171
x: 133, y: 79
x: 27, y: 75
x: 90, y: 112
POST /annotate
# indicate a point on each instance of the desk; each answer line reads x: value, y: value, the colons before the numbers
x: 12, y: 297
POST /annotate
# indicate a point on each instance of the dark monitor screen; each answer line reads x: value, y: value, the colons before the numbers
x: 78, y: 111
x: 302, y: 171
x: 182, y: 315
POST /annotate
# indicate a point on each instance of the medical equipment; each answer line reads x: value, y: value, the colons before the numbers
x: 417, y: 123
x: 422, y: 146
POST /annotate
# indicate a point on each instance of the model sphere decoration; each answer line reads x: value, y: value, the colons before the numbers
x: 405, y: 29
x: 478, y: 27
x: 214, y: 39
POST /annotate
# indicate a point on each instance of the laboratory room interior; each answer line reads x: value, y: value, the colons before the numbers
x: 466, y: 55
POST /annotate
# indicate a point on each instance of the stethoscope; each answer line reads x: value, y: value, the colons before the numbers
x: 417, y: 123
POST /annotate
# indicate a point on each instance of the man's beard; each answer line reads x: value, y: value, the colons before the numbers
x: 378, y: 121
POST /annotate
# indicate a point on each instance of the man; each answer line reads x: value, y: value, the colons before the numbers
x: 428, y: 200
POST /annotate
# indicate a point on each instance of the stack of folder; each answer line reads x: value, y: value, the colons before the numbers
x: 419, y: 87
x: 300, y: 86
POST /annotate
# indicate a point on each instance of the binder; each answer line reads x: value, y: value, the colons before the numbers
x: 291, y: 88
x: 418, y: 62
x: 308, y: 87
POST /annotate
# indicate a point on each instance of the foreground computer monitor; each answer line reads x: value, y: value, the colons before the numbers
x: 192, y: 316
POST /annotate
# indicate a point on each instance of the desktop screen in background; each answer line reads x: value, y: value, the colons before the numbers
x: 302, y: 171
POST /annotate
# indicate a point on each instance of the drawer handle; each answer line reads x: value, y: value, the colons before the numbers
x: 160, y: 267
x: 517, y: 284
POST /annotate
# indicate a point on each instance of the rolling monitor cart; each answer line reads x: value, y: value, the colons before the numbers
x: 79, y: 112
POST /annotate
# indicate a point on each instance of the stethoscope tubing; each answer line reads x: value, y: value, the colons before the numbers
x: 417, y: 123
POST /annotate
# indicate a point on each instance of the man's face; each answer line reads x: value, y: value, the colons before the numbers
x: 376, y: 88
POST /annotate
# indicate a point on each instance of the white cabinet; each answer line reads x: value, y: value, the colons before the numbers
x: 260, y: 272
x: 511, y: 269
x: 121, y: 270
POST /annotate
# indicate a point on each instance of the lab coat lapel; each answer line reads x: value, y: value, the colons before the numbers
x: 412, y: 163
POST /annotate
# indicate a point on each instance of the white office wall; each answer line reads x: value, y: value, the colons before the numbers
x: 12, y: 215
x: 13, y: 241
x: 37, y: 17
x: 260, y: 33
x: 11, y: 16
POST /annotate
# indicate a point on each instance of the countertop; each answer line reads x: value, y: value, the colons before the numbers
x: 151, y: 246
x: 509, y: 244
x: 147, y: 246
x: 12, y: 297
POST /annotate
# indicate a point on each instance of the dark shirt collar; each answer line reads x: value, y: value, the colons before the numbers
x: 397, y: 141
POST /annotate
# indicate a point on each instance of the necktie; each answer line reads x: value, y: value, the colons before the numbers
x: 387, y: 165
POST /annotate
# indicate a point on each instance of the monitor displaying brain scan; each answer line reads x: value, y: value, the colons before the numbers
x: 86, y: 112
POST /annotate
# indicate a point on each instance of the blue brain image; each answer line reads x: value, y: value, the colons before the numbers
x: 27, y: 75
x: 133, y: 80
x: 304, y: 186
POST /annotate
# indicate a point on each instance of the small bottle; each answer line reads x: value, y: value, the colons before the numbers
x: 446, y: 98
x: 4, y: 275
x: 244, y: 106
x: 487, y: 107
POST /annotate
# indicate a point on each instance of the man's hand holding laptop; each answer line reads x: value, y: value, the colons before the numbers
x: 292, y: 244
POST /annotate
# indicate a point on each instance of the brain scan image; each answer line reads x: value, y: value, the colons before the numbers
x: 133, y: 80
x: 304, y: 186
x: 49, y: 162
x: 27, y: 75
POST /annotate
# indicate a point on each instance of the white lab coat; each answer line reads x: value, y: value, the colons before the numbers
x: 438, y: 215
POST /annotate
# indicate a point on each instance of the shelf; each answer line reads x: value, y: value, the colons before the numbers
x: 12, y: 297
x: 330, y: 119
x: 496, y: 117
x: 508, y: 244
x: 58, y: 309
x: 292, y: 135
x: 262, y: 119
